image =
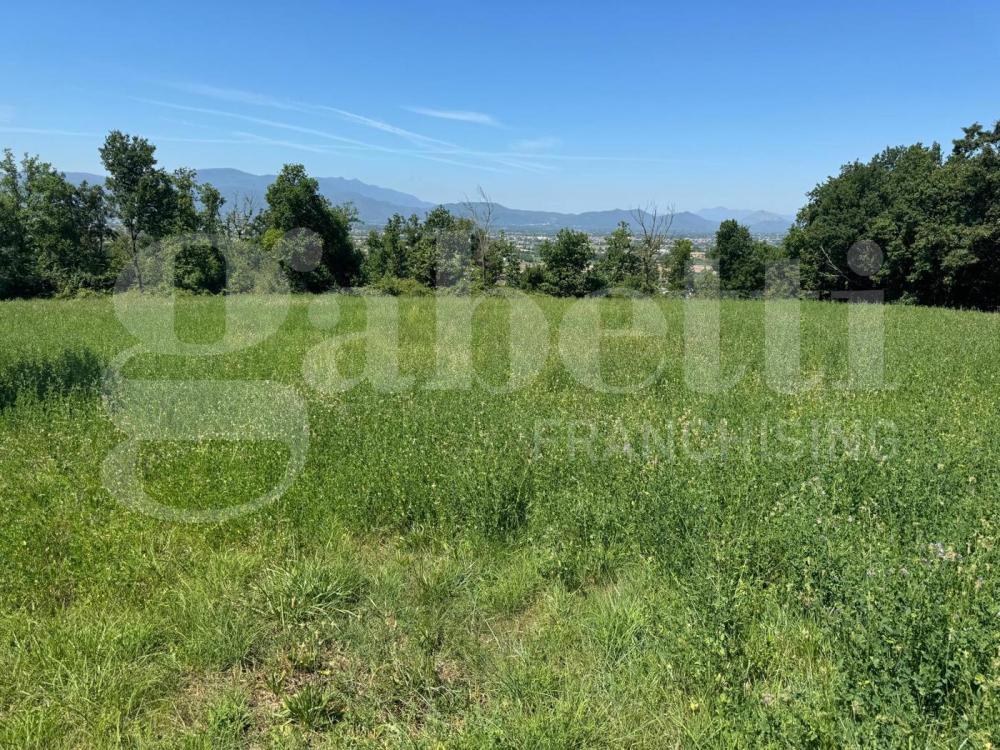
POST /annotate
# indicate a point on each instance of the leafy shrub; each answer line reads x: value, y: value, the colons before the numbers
x: 200, y: 267
x: 397, y: 287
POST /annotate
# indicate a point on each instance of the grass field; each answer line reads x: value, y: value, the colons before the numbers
x: 553, y: 566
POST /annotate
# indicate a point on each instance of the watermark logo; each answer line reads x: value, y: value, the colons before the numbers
x: 687, y: 438
x: 150, y: 411
x: 258, y: 299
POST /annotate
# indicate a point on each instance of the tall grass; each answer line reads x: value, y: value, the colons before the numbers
x: 40, y: 378
x: 553, y: 566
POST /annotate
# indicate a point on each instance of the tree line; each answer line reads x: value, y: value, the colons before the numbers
x: 933, y: 220
x: 920, y: 227
x: 57, y: 238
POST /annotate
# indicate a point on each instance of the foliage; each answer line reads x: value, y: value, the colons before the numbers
x: 199, y: 266
x: 442, y: 251
x: 621, y: 266
x: 566, y: 261
x: 295, y: 203
x: 143, y: 197
x: 33, y: 378
x: 741, y: 259
x: 679, y: 265
x: 53, y: 234
x: 533, y: 278
x: 935, y: 220
x: 397, y: 287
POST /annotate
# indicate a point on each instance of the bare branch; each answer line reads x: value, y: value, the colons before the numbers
x: 653, y: 227
x: 481, y: 214
x: 832, y: 264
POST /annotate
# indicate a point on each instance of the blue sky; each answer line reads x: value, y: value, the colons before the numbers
x: 554, y: 106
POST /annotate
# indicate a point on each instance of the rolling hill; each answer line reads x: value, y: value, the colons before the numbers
x: 376, y: 204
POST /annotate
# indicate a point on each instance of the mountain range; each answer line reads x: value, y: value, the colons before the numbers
x: 376, y: 204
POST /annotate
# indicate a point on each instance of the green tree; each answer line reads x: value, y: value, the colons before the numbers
x: 933, y: 221
x: 679, y: 263
x: 533, y: 278
x: 373, y: 266
x: 295, y: 203
x: 198, y: 206
x: 510, y: 259
x: 426, y: 244
x: 210, y: 213
x: 437, y: 251
x: 566, y: 260
x: 143, y: 197
x: 453, y: 247
x: 52, y: 233
x: 740, y: 259
x: 67, y: 226
x: 439, y: 219
x: 394, y: 248
x: 620, y: 266
x: 423, y: 260
x: 199, y: 265
x: 94, y: 231
x: 18, y: 265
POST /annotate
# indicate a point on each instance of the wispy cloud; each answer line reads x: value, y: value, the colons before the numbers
x: 236, y: 96
x: 385, y: 127
x: 529, y: 155
x: 311, y: 147
x: 240, y: 96
x: 428, y: 148
x: 50, y: 131
x: 261, y: 121
x: 93, y: 134
x: 479, y: 118
x: 428, y: 156
x: 535, y: 144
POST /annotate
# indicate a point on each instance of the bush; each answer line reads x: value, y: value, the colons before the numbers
x: 397, y: 287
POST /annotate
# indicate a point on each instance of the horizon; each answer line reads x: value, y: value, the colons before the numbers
x: 698, y: 212
x: 534, y: 116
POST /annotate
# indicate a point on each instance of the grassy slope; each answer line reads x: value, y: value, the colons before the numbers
x: 426, y: 580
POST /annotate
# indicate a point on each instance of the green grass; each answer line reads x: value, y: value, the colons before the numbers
x: 647, y: 575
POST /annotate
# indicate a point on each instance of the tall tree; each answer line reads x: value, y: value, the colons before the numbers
x: 294, y: 202
x: 18, y: 266
x: 509, y: 257
x: 485, y: 253
x: 679, y: 264
x: 932, y: 223
x: 52, y: 233
x: 740, y: 258
x: 621, y: 265
x: 142, y: 196
x: 198, y: 205
x: 654, y: 225
x: 373, y: 266
x: 67, y: 225
x: 199, y: 265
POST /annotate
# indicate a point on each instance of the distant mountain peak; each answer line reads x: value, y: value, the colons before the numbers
x: 376, y: 204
